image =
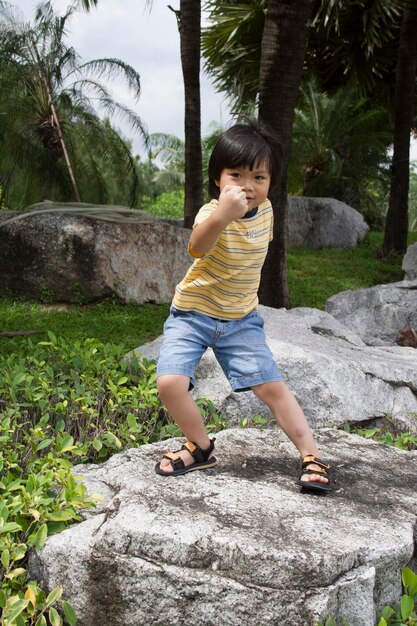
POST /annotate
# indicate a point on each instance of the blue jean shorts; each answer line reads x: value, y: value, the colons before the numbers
x: 238, y: 345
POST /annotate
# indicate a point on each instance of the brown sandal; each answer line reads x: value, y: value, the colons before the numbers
x: 323, y: 468
x: 200, y: 456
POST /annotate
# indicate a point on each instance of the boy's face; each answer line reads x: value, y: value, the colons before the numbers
x: 254, y: 182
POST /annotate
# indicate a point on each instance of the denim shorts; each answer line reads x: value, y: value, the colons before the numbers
x: 238, y: 345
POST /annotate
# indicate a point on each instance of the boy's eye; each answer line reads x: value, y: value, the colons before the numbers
x: 235, y: 174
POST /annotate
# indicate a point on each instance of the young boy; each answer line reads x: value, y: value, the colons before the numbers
x: 215, y: 305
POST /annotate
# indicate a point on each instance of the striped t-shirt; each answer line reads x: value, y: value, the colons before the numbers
x: 224, y: 283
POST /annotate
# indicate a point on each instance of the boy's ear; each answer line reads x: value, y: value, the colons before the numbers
x: 217, y: 183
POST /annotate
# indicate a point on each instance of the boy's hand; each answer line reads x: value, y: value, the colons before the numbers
x: 232, y: 202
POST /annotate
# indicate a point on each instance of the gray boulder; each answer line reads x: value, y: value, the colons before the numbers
x: 239, y: 544
x: 323, y: 222
x: 377, y: 314
x: 409, y: 264
x: 70, y: 257
x: 334, y: 375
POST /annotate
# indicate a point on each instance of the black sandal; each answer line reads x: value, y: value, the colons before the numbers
x: 200, y: 456
x: 323, y: 468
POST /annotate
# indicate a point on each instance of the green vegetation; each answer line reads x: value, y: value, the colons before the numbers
x: 386, y: 433
x: 107, y: 321
x: 64, y: 401
x: 315, y: 275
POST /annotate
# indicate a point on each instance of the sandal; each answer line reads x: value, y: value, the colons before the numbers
x: 323, y: 468
x: 200, y: 456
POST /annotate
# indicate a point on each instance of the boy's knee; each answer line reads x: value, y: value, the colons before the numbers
x: 169, y: 384
x: 270, y: 392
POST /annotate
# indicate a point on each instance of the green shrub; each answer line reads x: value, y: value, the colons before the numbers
x: 168, y: 204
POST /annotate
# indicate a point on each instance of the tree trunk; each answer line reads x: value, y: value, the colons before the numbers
x: 283, y: 49
x: 189, y: 25
x: 396, y: 226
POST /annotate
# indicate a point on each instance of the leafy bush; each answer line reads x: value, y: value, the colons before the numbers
x: 168, y: 204
x: 386, y: 434
x: 63, y: 401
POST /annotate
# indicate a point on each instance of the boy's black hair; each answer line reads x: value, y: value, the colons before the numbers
x: 244, y: 145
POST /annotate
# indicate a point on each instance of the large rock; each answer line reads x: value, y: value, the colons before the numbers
x: 239, y: 544
x: 333, y: 374
x: 323, y: 222
x: 377, y: 313
x: 69, y: 258
x: 409, y: 264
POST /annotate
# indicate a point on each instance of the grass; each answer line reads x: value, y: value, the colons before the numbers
x: 313, y: 276
x: 109, y: 321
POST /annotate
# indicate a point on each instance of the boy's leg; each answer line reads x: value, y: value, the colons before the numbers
x: 174, y: 394
x: 292, y: 420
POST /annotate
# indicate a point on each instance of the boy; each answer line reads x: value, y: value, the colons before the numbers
x: 215, y: 305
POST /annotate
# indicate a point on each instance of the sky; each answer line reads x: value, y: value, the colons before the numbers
x: 149, y: 41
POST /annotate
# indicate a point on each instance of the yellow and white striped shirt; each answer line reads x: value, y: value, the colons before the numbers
x: 224, y: 283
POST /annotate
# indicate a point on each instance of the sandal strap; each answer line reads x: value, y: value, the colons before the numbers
x: 320, y: 472
x: 199, y: 455
x: 175, y: 460
x: 310, y: 459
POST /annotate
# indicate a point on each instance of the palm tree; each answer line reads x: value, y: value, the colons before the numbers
x: 189, y: 27
x: 283, y: 48
x: 396, y: 228
x: 339, y: 143
x: 50, y: 135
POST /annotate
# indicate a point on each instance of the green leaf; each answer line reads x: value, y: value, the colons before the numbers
x: 41, y: 621
x: 43, y: 444
x: 10, y: 614
x: 409, y: 579
x: 53, y: 596
x: 382, y: 622
x: 67, y: 443
x: 69, y: 613
x: 61, y: 516
x: 54, y: 617
x: 41, y: 536
x: 406, y: 607
x: 5, y: 559
x: 10, y: 527
x: 14, y: 573
x: 3, y: 599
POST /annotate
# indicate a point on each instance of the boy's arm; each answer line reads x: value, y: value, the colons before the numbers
x: 232, y: 205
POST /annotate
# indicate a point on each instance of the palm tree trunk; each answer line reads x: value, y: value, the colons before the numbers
x: 189, y: 26
x: 396, y: 226
x: 282, y: 55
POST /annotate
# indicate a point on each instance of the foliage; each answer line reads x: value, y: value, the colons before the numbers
x: 387, y: 434
x: 339, y: 145
x: 404, y: 612
x: 46, y: 95
x: 63, y: 401
x: 231, y: 45
x: 168, y: 204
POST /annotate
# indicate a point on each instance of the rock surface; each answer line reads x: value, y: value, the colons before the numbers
x: 377, y: 314
x: 334, y: 375
x: 409, y: 264
x: 67, y: 258
x: 323, y: 222
x: 239, y: 544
